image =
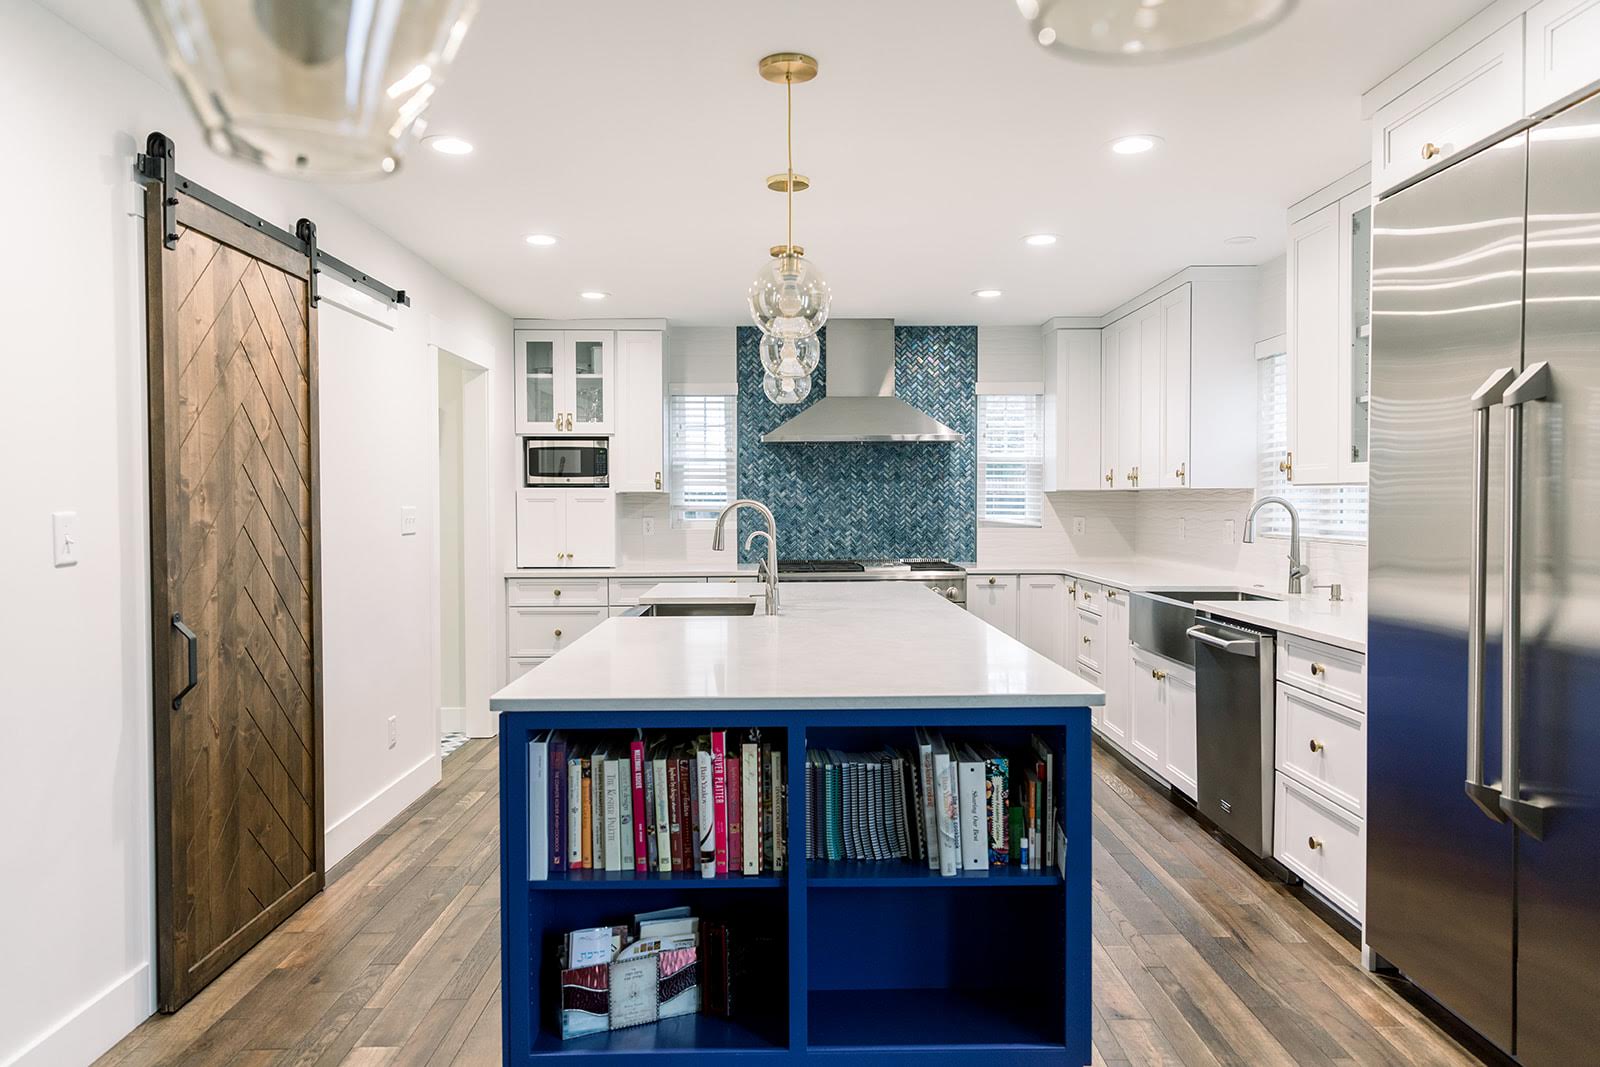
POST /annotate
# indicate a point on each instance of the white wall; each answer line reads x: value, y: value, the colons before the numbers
x: 452, y: 602
x: 75, y: 692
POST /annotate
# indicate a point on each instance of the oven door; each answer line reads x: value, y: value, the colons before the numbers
x: 566, y: 461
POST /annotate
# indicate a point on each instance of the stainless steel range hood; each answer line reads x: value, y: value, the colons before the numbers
x: 860, y: 404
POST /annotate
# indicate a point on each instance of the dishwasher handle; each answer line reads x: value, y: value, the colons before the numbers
x: 1238, y: 646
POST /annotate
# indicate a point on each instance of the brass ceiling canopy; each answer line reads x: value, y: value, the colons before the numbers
x: 793, y: 67
x: 786, y: 250
x: 779, y: 183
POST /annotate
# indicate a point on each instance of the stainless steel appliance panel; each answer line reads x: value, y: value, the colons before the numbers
x: 571, y: 461
x: 1447, y: 313
x: 1234, y: 675
x: 1558, y: 914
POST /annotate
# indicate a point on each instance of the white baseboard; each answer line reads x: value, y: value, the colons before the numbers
x: 346, y: 835
x: 99, y: 1023
x: 452, y: 720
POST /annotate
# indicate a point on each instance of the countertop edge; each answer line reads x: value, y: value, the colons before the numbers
x: 798, y: 703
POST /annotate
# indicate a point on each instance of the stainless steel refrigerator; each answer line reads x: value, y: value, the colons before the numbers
x: 1483, y: 881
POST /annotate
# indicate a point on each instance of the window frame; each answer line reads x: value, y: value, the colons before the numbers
x: 1030, y: 457
x: 683, y: 515
x: 1313, y: 501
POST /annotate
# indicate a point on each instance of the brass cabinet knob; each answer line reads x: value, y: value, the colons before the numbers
x: 1318, y: 670
x: 1158, y: 675
x: 1314, y: 842
x: 658, y: 479
x: 1111, y: 476
x: 1286, y: 465
x: 1086, y: 639
x: 558, y: 632
x: 1182, y: 473
x: 991, y: 581
x: 1111, y: 594
x: 1430, y: 150
x: 1072, y: 590
x: 557, y: 592
x: 1317, y: 746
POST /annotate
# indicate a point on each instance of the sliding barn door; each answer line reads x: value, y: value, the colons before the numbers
x: 233, y: 492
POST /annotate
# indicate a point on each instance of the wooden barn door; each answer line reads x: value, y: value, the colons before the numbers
x: 233, y: 487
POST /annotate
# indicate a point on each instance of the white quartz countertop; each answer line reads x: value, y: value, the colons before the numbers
x: 834, y: 645
x: 1342, y: 623
x: 712, y: 593
x: 1133, y: 574
x: 670, y: 569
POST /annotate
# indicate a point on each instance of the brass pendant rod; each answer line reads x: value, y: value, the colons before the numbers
x: 788, y: 100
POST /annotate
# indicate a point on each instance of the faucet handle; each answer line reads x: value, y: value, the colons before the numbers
x: 1335, y: 590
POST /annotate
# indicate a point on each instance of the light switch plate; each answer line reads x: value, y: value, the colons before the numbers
x: 64, y: 538
x: 394, y: 731
x: 408, y: 520
x: 1079, y: 524
x: 649, y: 527
x: 1227, y: 527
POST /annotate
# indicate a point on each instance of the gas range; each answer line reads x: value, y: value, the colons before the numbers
x: 942, y: 576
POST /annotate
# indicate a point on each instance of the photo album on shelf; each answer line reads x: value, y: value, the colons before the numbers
x: 707, y: 805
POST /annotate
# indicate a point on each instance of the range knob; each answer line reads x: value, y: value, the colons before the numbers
x: 951, y: 593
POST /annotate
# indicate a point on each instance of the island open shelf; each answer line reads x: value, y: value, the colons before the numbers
x: 875, y: 962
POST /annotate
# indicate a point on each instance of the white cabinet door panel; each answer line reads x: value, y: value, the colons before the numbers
x: 1563, y: 49
x: 1042, y: 615
x: 1322, y: 843
x: 638, y: 449
x: 1183, y: 759
x: 536, y: 632
x: 1314, y: 331
x: 993, y: 598
x: 1175, y: 392
x: 1147, y: 737
x: 1116, y: 673
x: 591, y: 537
x: 541, y: 527
x: 1324, y: 745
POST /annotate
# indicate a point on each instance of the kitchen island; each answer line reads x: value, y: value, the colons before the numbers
x: 868, y: 961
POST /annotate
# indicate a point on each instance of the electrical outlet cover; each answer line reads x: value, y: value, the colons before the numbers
x: 64, y: 538
x: 649, y: 527
x: 1079, y: 524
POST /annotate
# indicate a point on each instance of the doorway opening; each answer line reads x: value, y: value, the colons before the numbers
x: 462, y: 534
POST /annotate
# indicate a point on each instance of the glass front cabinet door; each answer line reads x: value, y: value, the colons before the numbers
x: 565, y: 382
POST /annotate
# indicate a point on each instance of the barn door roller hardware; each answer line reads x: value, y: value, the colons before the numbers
x: 157, y: 165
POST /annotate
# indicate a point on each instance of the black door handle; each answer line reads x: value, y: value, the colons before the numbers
x: 194, y: 659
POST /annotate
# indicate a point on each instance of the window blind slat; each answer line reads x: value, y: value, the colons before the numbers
x: 1331, y: 511
x: 702, y: 457
x: 1010, y: 459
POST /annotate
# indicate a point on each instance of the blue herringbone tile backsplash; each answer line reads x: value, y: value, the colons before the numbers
x: 866, y: 501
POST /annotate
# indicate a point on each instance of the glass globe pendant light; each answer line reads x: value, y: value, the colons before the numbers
x: 1146, y: 30
x: 314, y: 88
x: 789, y: 297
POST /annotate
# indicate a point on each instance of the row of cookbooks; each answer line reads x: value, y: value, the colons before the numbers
x: 664, y: 964
x: 955, y: 805
x: 710, y: 804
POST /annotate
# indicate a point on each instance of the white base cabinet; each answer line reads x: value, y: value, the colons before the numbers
x: 1163, y: 734
x: 1042, y: 615
x: 993, y: 598
x: 1117, y: 673
x: 566, y: 528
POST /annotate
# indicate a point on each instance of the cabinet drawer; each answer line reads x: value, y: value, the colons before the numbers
x: 1465, y: 100
x: 516, y: 667
x: 555, y: 592
x: 1091, y: 648
x: 1324, y: 745
x: 1322, y: 843
x: 1335, y: 673
x: 535, y: 632
x: 1090, y: 595
x: 625, y: 592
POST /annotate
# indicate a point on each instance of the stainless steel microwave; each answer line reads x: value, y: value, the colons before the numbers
x: 575, y: 461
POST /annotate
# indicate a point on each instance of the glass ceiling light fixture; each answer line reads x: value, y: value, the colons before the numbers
x: 789, y: 297
x: 321, y: 89
x: 1144, y: 31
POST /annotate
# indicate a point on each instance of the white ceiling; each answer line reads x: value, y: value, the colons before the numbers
x: 937, y: 135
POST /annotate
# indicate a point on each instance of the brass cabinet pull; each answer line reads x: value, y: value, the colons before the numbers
x: 1182, y: 473
x: 1286, y: 465
x: 1317, y: 746
x: 1072, y: 590
x: 1319, y: 670
x: 1111, y: 476
x: 1111, y: 594
x: 558, y: 631
x: 658, y: 479
x: 1158, y: 675
x: 1315, y: 843
x: 1430, y: 150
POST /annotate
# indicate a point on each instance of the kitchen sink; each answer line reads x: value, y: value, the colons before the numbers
x: 662, y: 611
x: 1159, y: 619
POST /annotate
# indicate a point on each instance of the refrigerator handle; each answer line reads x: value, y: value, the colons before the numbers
x: 1488, y: 396
x: 1529, y: 815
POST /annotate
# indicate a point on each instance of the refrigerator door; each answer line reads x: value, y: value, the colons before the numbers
x: 1446, y: 316
x: 1558, y: 950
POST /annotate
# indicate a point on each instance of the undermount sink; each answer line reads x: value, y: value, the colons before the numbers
x: 1159, y: 619
x: 1190, y: 596
x: 748, y: 607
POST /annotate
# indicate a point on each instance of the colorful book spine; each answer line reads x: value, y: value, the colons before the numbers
x: 641, y: 848
x: 705, y: 816
x: 574, y: 772
x: 997, y: 770
x: 662, y: 792
x: 780, y: 821
x: 735, y: 786
x: 539, y: 808
x: 750, y: 787
x: 719, y: 799
x: 650, y: 812
x: 612, y: 804
x: 558, y: 802
x: 972, y: 803
x: 686, y: 843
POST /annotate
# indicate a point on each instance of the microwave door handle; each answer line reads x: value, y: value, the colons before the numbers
x: 1238, y: 646
x: 1529, y: 815
x: 1488, y: 396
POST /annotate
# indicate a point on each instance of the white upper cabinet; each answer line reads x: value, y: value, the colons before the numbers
x: 1462, y: 102
x: 1072, y: 410
x: 638, y: 449
x: 1110, y: 385
x: 564, y: 527
x: 565, y: 382
x: 1175, y: 391
x: 1130, y: 399
x: 1562, y: 49
x: 1328, y: 273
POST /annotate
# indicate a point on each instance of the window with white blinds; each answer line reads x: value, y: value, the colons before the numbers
x: 702, y: 457
x: 1337, y: 512
x: 1010, y: 460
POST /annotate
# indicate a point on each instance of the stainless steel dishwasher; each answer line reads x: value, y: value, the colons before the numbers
x: 1234, y: 726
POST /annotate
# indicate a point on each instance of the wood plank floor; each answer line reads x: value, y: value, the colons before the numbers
x: 1196, y: 959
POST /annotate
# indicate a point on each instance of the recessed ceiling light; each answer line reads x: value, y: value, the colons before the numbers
x: 986, y: 294
x: 449, y: 146
x: 1134, y: 144
x: 593, y: 294
x: 1029, y: 9
x: 1047, y: 36
x: 1239, y: 239
x: 1040, y: 240
x: 541, y: 240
